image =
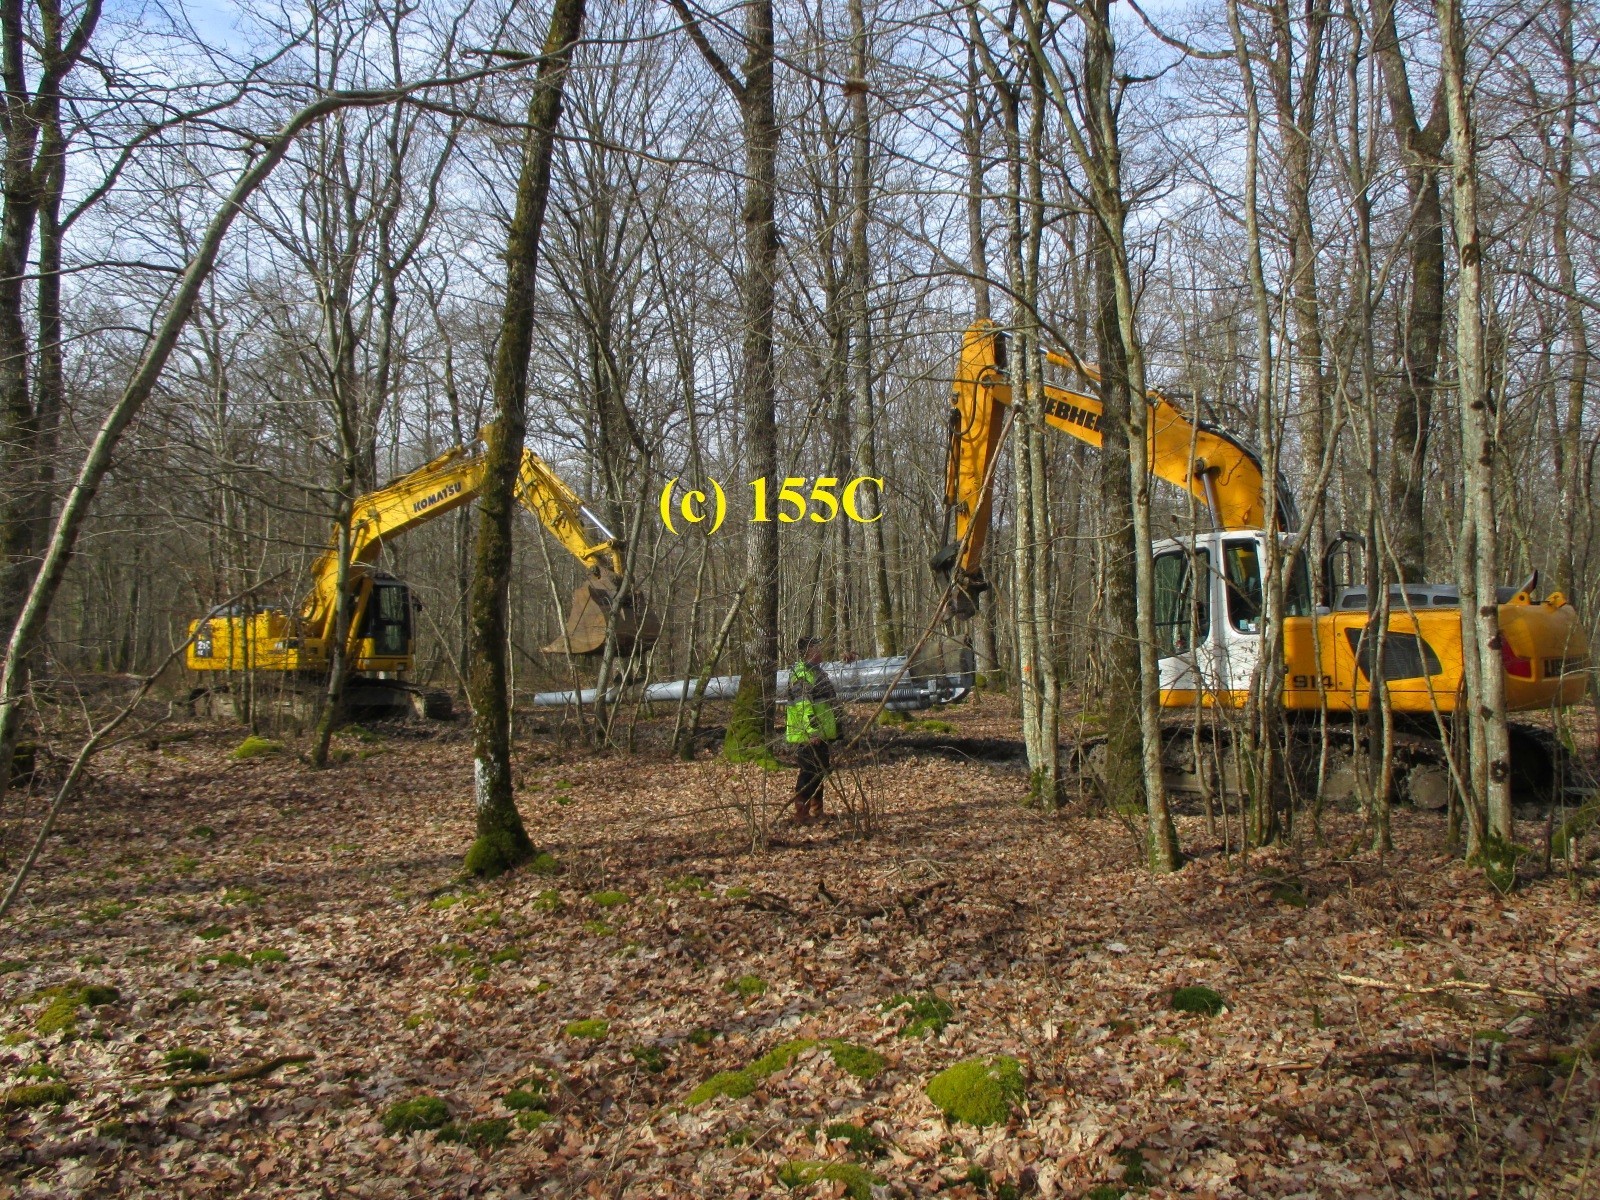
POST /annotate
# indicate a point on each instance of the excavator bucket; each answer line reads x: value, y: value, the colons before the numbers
x: 592, y: 602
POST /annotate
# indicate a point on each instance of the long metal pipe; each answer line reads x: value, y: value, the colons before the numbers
x: 866, y: 680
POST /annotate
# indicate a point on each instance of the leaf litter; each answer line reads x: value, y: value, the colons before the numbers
x: 362, y: 1038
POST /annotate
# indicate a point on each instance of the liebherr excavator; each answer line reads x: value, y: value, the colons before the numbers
x: 1210, y: 600
x: 297, y: 647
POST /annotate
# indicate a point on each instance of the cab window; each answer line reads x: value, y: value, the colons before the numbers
x: 388, y: 619
x: 1182, y: 615
x: 1297, y: 598
x: 1242, y: 574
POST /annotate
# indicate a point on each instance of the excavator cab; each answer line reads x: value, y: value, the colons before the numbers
x: 383, y: 638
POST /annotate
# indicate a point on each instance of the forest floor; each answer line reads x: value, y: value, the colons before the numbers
x: 311, y: 930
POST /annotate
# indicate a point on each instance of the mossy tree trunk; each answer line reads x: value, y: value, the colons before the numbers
x: 1124, y: 771
x: 755, y: 704
x: 502, y: 841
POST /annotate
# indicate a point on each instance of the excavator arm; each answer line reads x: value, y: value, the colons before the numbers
x: 447, y: 483
x: 1221, y: 472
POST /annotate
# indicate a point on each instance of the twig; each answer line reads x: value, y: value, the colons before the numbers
x: 1448, y: 985
x: 240, y: 1074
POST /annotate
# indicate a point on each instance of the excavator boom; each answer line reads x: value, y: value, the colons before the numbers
x: 1209, y: 588
x: 1220, y: 471
x: 380, y: 634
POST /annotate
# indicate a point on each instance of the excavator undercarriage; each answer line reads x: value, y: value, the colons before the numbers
x: 1340, y: 763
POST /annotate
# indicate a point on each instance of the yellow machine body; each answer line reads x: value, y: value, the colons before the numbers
x: 382, y: 612
x: 1211, y: 635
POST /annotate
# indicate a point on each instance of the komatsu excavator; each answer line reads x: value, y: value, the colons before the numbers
x: 296, y: 647
x: 1210, y: 599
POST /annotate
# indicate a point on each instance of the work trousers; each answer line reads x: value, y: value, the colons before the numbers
x: 814, y: 765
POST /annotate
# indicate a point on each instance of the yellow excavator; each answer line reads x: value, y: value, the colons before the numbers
x: 1210, y: 601
x: 295, y: 647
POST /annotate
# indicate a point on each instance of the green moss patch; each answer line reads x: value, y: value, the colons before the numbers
x: 226, y: 958
x: 1499, y: 858
x: 61, y: 1014
x: 861, y: 1141
x: 268, y: 955
x: 922, y: 1013
x: 685, y: 883
x: 415, y: 1115
x: 497, y: 852
x: 860, y: 1061
x: 184, y: 1059
x: 608, y: 899
x: 593, y: 1029
x: 599, y: 928
x: 544, y: 863
x: 36, y: 1095
x: 533, y: 1119
x: 802, y: 1173
x: 108, y: 910
x: 746, y: 736
x: 243, y: 897
x: 256, y: 747
x: 978, y: 1091
x: 747, y: 986
x: 212, y: 932
x: 650, y: 1058
x: 488, y: 1134
x: 738, y: 1084
x: 524, y: 1099
x: 1201, y: 1001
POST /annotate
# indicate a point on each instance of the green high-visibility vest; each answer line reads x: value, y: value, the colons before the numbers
x: 807, y: 718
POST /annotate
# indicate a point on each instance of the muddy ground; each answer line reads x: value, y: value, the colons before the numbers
x: 1390, y: 1028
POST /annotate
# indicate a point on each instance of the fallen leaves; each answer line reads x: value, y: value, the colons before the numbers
x: 824, y: 982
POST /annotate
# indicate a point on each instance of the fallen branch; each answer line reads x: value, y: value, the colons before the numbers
x: 240, y: 1074
x: 1448, y: 985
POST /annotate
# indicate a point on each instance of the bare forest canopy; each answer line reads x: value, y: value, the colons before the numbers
x: 367, y: 272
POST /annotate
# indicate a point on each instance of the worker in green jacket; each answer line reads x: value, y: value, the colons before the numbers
x: 809, y: 725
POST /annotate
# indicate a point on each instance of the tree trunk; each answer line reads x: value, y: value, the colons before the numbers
x: 502, y: 841
x: 1420, y: 146
x: 861, y: 365
x: 1106, y: 161
x: 1115, y: 635
x: 1480, y: 611
x: 1261, y: 735
x: 754, y: 707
